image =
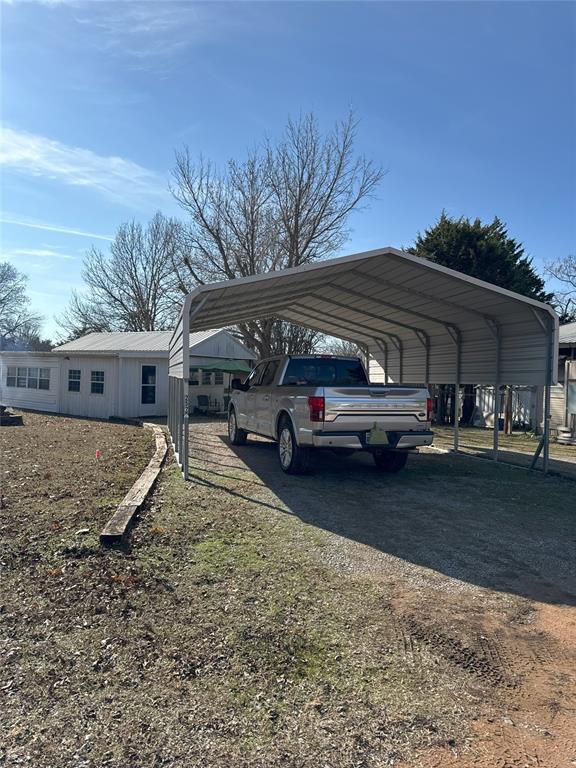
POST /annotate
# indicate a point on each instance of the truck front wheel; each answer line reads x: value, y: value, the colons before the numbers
x: 237, y: 436
x: 294, y: 458
x: 390, y: 461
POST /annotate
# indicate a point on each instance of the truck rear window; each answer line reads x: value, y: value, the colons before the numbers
x: 324, y: 372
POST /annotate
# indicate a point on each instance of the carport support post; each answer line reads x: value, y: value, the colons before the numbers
x: 547, y: 392
x: 496, y: 419
x: 186, y: 453
x: 456, y: 416
x: 498, y: 334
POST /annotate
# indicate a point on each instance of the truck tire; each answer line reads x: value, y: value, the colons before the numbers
x: 236, y: 435
x: 294, y: 458
x: 390, y: 461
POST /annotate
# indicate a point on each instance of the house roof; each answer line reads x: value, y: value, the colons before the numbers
x: 144, y: 341
x: 567, y: 334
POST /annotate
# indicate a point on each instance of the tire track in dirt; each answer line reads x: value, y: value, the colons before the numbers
x: 531, y: 720
x: 485, y: 659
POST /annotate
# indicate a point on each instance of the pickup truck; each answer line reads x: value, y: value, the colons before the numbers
x: 307, y: 402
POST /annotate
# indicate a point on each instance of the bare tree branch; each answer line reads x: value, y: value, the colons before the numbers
x: 564, y: 270
x: 286, y: 204
x: 133, y: 287
x: 16, y: 318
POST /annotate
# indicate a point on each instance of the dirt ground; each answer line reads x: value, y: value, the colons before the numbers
x: 342, y: 619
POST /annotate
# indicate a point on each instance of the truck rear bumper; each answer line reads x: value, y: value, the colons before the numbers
x: 358, y: 440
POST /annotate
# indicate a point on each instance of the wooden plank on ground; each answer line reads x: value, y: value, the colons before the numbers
x: 117, y: 528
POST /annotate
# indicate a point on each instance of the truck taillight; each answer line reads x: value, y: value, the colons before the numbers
x: 316, y: 406
x: 429, y: 408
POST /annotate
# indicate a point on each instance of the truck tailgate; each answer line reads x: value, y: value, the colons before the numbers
x: 391, y: 407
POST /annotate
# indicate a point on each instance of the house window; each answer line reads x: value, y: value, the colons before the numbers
x: 206, y: 378
x: 219, y: 378
x: 44, y: 378
x: 193, y: 377
x: 74, y: 380
x: 97, y: 382
x: 31, y: 378
x: 148, y: 396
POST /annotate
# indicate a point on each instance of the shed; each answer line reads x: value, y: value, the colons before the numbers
x: 419, y: 322
x: 563, y: 394
x: 122, y: 375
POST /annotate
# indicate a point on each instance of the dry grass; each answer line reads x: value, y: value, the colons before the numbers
x: 229, y: 635
x: 521, y: 442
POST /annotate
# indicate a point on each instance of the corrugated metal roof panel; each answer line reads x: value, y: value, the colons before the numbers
x: 145, y: 341
x: 439, y: 325
x: 567, y: 334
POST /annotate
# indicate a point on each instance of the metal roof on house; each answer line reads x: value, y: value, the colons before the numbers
x: 144, y: 341
x: 567, y: 334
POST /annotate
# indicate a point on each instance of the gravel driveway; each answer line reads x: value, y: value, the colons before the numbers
x: 456, y: 523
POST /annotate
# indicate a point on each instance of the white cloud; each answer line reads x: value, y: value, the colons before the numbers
x: 39, y: 253
x: 114, y: 177
x: 151, y: 35
x: 24, y: 221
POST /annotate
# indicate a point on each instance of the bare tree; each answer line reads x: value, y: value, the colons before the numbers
x: 564, y: 270
x: 334, y: 346
x: 286, y: 204
x: 16, y: 318
x: 133, y: 287
x: 282, y: 337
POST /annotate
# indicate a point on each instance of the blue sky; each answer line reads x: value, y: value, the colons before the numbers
x: 469, y: 106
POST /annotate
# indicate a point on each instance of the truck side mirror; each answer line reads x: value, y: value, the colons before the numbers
x: 236, y: 384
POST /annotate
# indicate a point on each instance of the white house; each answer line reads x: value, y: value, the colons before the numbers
x: 121, y: 375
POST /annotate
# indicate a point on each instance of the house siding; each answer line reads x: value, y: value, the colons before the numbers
x: 33, y: 399
x: 84, y: 402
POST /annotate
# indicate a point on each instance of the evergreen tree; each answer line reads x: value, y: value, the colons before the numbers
x: 485, y: 251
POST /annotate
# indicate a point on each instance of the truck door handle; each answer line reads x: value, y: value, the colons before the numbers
x: 266, y: 397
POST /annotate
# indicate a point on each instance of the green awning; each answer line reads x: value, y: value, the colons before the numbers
x: 227, y: 366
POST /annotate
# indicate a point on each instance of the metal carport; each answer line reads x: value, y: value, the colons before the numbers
x: 421, y: 323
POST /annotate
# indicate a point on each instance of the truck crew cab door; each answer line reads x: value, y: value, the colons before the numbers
x: 264, y: 400
x: 247, y: 415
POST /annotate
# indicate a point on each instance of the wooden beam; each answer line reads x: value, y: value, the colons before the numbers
x: 117, y: 528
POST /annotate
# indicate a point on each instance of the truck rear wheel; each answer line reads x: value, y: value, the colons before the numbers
x: 294, y: 459
x: 237, y: 436
x: 390, y: 461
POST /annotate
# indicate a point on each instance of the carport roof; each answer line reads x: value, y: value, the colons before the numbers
x: 421, y: 321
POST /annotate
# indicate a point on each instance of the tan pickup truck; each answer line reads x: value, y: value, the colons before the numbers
x: 308, y: 402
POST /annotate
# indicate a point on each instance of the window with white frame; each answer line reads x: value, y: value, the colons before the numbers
x: 97, y: 382
x: 206, y: 378
x: 44, y: 378
x: 28, y: 377
x: 219, y: 378
x: 74, y: 375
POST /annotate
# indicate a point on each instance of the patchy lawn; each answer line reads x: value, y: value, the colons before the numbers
x: 519, y: 442
x: 341, y: 619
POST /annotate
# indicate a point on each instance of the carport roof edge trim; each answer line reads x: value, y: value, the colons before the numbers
x: 364, y: 256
